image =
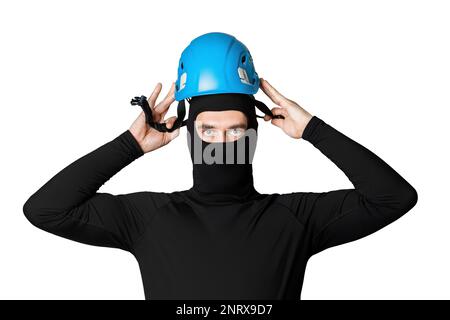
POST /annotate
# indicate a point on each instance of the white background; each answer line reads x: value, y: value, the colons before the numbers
x: 378, y: 71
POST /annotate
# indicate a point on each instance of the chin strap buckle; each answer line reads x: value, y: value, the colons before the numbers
x: 143, y: 103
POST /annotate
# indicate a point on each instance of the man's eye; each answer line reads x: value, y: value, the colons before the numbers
x: 209, y: 132
x: 235, y: 132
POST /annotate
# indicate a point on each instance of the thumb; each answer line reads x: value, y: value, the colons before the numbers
x: 169, y: 124
x: 170, y: 121
x: 278, y: 111
x: 277, y: 122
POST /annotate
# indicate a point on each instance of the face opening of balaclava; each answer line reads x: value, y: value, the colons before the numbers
x: 223, y: 169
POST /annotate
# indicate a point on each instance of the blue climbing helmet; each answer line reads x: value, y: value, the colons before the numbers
x: 212, y: 63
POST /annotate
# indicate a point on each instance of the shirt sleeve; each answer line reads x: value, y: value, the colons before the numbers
x: 379, y: 197
x: 69, y: 205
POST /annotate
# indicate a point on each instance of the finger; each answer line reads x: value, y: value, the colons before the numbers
x: 272, y: 89
x: 272, y: 93
x: 172, y: 135
x: 276, y: 111
x: 279, y: 111
x: 167, y: 101
x: 278, y: 122
x: 141, y: 117
x: 152, y: 99
x: 170, y: 121
x: 169, y: 124
x: 164, y: 105
x: 139, y: 121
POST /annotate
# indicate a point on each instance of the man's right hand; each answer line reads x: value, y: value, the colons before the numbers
x: 149, y: 138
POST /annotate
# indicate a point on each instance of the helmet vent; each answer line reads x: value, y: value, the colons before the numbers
x: 243, y: 76
x: 183, y: 80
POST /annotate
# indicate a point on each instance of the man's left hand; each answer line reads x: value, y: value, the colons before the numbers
x: 295, y: 117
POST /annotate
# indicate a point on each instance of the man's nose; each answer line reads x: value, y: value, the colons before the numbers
x: 222, y: 136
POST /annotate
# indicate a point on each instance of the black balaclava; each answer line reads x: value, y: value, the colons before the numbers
x: 223, y: 181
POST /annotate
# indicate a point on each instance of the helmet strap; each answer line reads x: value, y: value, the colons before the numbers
x: 262, y: 107
x: 179, y: 122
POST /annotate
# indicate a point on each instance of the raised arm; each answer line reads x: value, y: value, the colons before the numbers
x: 379, y: 197
x: 69, y: 205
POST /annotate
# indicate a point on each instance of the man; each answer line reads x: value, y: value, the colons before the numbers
x: 221, y: 239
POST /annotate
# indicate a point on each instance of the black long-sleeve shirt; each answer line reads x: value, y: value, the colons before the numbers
x: 189, y: 247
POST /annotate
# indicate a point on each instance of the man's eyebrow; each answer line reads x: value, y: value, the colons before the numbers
x: 238, y: 126
x: 206, y: 126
